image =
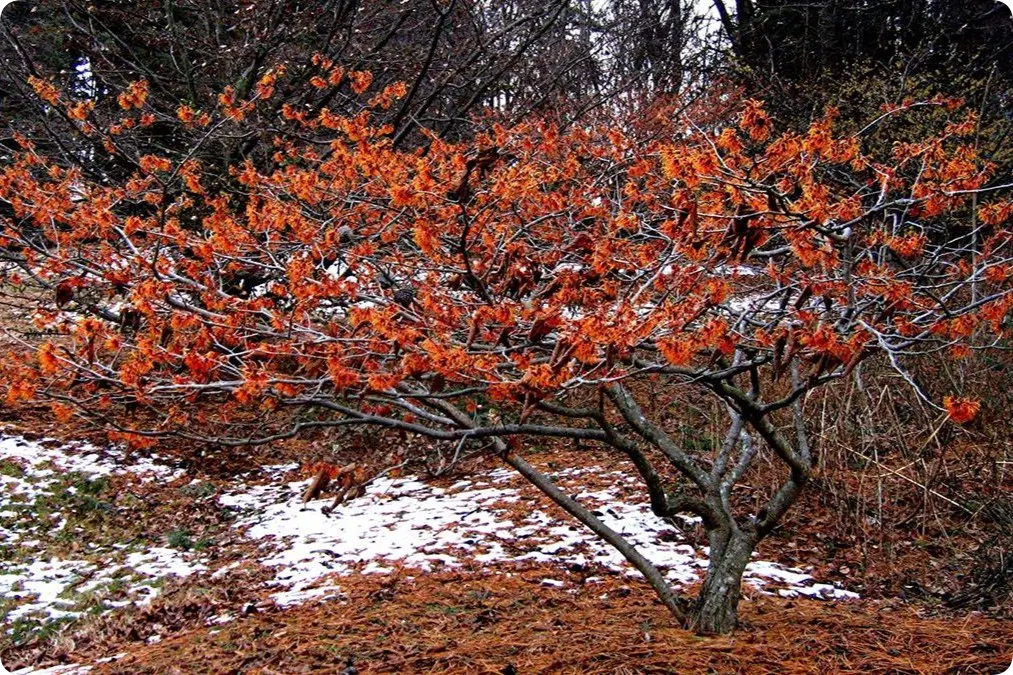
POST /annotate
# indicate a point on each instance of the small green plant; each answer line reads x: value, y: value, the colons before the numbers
x: 179, y: 538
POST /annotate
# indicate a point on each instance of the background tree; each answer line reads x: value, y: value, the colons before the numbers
x: 526, y: 283
x: 857, y: 55
x: 456, y: 57
x: 792, y: 41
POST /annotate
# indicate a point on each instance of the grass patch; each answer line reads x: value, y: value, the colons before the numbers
x: 11, y: 469
x: 26, y: 629
x: 179, y: 539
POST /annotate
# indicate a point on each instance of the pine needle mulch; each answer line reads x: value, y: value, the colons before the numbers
x: 494, y: 622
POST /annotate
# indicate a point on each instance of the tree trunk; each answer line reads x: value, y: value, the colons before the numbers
x: 717, y: 608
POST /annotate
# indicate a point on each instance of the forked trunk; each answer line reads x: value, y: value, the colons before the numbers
x: 717, y: 608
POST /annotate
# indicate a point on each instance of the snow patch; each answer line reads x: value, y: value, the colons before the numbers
x: 50, y: 589
x: 406, y: 522
x: 291, y: 598
x: 45, y: 458
x: 55, y: 670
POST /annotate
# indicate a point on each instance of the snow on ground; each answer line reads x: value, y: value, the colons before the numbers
x: 493, y: 518
x: 403, y: 521
x: 47, y: 456
x: 42, y: 485
x: 54, y: 670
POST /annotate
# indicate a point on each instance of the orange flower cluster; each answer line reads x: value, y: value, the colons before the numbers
x: 152, y: 163
x: 960, y: 409
x: 45, y: 90
x: 135, y: 96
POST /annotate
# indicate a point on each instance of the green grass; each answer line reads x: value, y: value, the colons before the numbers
x: 12, y: 469
x: 27, y: 629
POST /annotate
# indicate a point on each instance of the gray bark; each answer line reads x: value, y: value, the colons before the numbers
x: 717, y: 608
